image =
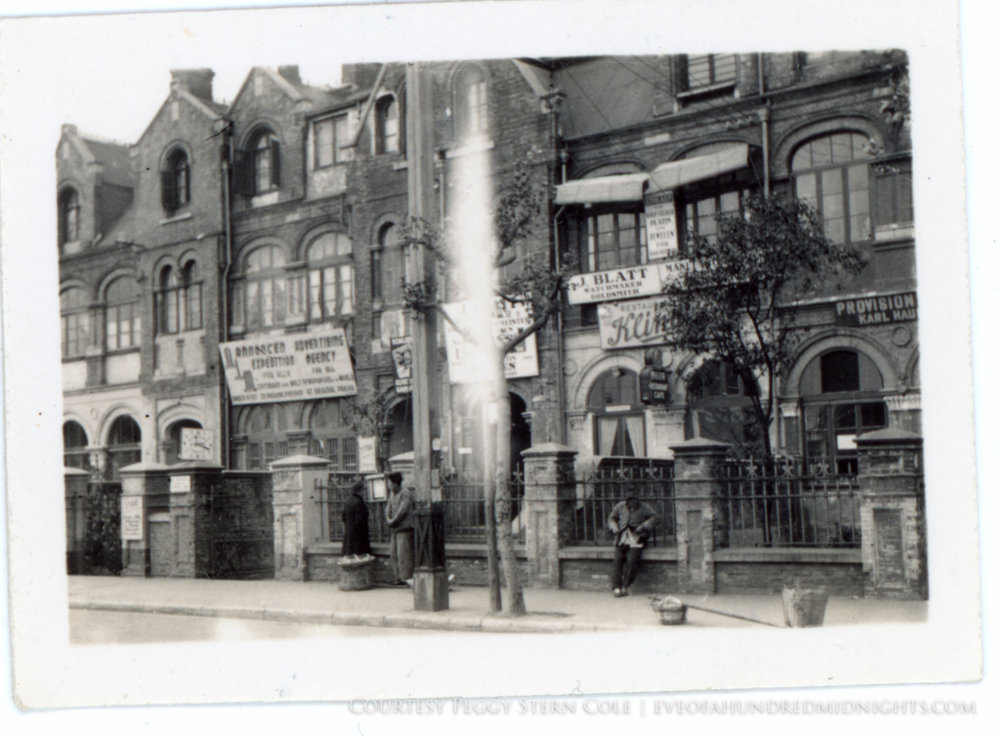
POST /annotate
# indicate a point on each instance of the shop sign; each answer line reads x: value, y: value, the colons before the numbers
x: 633, y: 324
x: 132, y: 519
x: 876, y: 310
x: 299, y: 367
x: 467, y: 362
x: 402, y: 363
x: 661, y: 225
x: 625, y: 283
x: 653, y: 386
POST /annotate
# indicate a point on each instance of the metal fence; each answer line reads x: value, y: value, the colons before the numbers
x: 774, y: 503
x: 613, y: 480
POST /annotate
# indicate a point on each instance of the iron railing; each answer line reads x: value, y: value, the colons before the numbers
x: 775, y: 503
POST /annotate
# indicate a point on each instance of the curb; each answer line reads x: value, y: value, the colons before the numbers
x: 426, y: 621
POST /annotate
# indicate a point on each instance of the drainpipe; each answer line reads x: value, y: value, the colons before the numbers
x: 765, y: 123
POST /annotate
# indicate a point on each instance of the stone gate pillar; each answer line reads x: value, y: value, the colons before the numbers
x: 181, y: 546
x: 300, y: 509
x: 549, y: 500
x: 144, y: 488
x: 700, y: 523
x: 893, y: 522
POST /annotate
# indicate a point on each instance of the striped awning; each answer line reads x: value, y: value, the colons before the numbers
x: 676, y: 174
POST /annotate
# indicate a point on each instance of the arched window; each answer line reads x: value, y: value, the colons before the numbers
x: 124, y: 445
x: 333, y: 436
x: 387, y: 125
x: 831, y: 173
x: 265, y: 162
x: 261, y: 298
x: 619, y: 426
x: 331, y: 276
x: 192, y: 288
x: 167, y: 302
x: 69, y: 216
x: 175, y: 181
x: 121, y: 317
x: 267, y: 440
x: 74, y: 308
x: 841, y: 396
x: 471, y: 105
x: 388, y: 266
x: 75, y: 453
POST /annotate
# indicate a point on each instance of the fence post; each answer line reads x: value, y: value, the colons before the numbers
x: 549, y: 498
x: 297, y: 512
x: 75, y: 483
x: 893, y: 521
x: 143, y: 484
x: 186, y: 550
x: 697, y: 489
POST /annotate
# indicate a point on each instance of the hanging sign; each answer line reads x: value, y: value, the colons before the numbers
x: 402, y: 363
x: 467, y: 362
x: 661, y: 225
x: 653, y: 386
x: 313, y: 365
x: 876, y: 310
x: 632, y: 324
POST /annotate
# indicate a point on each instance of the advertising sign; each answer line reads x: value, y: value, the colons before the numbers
x: 366, y: 455
x: 467, y: 362
x: 876, y: 310
x: 625, y: 283
x: 661, y: 225
x: 632, y: 324
x: 653, y: 386
x: 313, y: 365
x: 402, y: 363
x: 132, y: 518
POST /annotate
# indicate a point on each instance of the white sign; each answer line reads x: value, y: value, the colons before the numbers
x: 196, y: 444
x: 467, y: 362
x: 625, y: 283
x: 132, y: 519
x: 366, y: 455
x: 661, y: 225
x: 633, y: 324
x: 180, y: 483
x: 297, y: 367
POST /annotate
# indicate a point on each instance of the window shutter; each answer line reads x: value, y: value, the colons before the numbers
x: 168, y: 192
x: 275, y: 163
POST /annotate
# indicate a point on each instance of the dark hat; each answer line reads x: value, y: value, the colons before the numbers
x: 358, y: 487
x: 395, y: 477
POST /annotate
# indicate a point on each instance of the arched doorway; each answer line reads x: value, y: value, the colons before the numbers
x: 619, y: 419
x: 399, y: 428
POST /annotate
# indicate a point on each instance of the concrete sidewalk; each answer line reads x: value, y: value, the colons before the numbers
x: 550, y: 611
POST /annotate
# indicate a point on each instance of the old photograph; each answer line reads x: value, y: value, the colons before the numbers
x: 344, y: 348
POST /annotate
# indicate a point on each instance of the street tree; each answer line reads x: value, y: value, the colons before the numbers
x: 526, y: 282
x: 733, y: 304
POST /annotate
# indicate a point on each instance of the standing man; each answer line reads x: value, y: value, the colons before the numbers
x: 398, y: 515
x: 355, y: 517
x: 632, y: 522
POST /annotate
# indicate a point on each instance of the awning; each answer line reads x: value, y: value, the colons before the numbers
x: 678, y: 173
x: 618, y: 188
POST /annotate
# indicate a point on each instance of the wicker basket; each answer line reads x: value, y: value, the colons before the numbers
x: 670, y: 610
x: 356, y: 574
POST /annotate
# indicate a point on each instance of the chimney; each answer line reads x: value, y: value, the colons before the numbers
x: 68, y: 129
x: 291, y: 73
x: 196, y: 81
x: 362, y: 76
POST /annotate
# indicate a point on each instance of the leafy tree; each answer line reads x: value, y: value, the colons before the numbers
x: 733, y: 304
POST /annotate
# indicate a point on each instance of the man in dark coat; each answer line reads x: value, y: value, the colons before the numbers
x: 355, y: 516
x: 632, y: 523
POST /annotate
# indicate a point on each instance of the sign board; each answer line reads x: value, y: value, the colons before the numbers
x: 133, y: 526
x: 402, y: 363
x: 654, y: 387
x: 312, y: 365
x: 625, y: 283
x: 197, y: 444
x: 377, y: 489
x: 180, y: 483
x: 467, y: 362
x: 366, y: 455
x: 631, y: 324
x: 661, y: 225
x: 876, y: 310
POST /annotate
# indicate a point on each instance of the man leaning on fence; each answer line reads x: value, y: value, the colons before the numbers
x: 632, y: 523
x: 398, y: 515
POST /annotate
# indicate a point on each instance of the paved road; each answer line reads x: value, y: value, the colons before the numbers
x: 125, y: 627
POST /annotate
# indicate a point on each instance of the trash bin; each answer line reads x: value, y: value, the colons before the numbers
x: 356, y: 572
x: 804, y: 606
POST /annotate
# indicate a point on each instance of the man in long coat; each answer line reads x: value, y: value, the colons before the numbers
x: 355, y: 516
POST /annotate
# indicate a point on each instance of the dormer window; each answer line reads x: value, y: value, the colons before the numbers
x: 175, y: 181
x: 331, y: 138
x: 470, y: 103
x: 69, y: 217
x: 387, y: 125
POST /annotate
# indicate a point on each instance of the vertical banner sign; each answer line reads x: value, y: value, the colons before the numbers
x: 312, y: 365
x: 366, y: 455
x: 467, y: 362
x: 661, y: 225
x: 132, y: 518
x: 402, y: 363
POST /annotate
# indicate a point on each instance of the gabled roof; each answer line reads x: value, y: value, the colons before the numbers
x: 297, y: 91
x: 115, y: 160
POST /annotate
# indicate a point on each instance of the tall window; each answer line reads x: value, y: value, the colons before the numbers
x: 700, y: 214
x: 619, y: 426
x: 831, y: 173
x: 332, y: 136
x: 470, y: 103
x: 261, y: 298
x: 707, y: 70
x: 333, y: 436
x: 74, y: 308
x: 388, y: 267
x: 167, y: 302
x: 69, y: 216
x: 267, y: 440
x: 192, y: 287
x: 331, y: 276
x: 265, y: 162
x: 387, y: 125
x: 75, y: 453
x: 121, y: 316
x: 175, y: 184
x: 611, y: 239
x: 124, y: 445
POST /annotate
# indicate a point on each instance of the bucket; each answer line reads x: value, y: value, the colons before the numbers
x: 356, y: 575
x: 804, y: 606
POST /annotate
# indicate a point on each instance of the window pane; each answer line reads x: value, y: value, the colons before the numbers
x: 315, y: 295
x: 324, y: 143
x: 805, y: 188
